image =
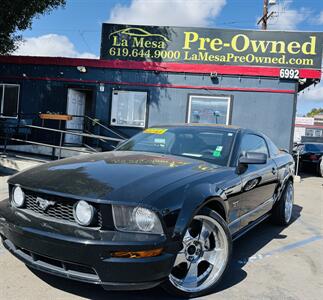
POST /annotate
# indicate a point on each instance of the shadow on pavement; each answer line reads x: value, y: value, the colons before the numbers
x: 243, y: 248
x: 248, y: 245
x: 308, y: 172
x: 94, y: 292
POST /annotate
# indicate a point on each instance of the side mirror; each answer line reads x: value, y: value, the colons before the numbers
x: 253, y: 158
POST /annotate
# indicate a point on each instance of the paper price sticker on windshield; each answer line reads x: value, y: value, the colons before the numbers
x: 155, y: 130
x: 159, y: 141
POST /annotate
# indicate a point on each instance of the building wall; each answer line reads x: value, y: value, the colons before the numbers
x: 44, y: 88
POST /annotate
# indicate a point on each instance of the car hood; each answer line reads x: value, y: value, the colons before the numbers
x: 115, y: 176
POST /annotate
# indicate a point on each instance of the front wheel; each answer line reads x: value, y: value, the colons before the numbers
x: 204, y: 257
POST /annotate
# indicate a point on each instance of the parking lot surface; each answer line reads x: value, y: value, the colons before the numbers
x: 268, y: 263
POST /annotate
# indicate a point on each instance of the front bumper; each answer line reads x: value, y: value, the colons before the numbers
x: 84, y: 254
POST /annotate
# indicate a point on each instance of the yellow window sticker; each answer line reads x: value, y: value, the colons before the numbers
x: 155, y: 130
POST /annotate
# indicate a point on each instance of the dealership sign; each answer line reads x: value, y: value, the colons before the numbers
x: 304, y: 121
x: 289, y: 52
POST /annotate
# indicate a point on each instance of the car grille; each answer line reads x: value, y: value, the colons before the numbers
x: 61, y: 210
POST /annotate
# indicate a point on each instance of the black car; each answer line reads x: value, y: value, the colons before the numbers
x: 163, y: 208
x: 310, y: 157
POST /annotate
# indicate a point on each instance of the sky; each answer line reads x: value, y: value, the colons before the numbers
x: 75, y: 30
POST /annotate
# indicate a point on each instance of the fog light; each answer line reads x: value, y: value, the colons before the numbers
x: 18, y: 197
x: 137, y: 254
x: 83, y: 213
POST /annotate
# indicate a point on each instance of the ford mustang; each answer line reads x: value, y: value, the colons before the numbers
x: 162, y: 208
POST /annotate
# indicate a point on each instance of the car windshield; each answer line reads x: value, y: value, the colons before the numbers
x: 208, y: 144
x: 314, y: 147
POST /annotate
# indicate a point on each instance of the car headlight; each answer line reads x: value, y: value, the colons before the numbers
x: 83, y: 213
x: 18, y: 197
x: 136, y: 219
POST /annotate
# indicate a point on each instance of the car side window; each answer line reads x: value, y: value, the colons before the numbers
x: 253, y: 143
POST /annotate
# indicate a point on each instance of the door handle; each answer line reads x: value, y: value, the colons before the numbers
x: 274, y: 171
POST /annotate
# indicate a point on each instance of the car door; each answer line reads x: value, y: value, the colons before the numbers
x: 258, y: 181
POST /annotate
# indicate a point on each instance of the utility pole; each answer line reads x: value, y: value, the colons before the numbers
x: 265, y: 17
x: 265, y: 13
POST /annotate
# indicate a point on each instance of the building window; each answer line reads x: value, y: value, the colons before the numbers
x: 309, y: 132
x: 209, y: 109
x: 9, y: 100
x: 318, y: 133
x: 129, y: 108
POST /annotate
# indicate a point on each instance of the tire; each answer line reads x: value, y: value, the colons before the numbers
x: 300, y: 167
x: 207, y: 243
x: 320, y: 168
x: 282, y: 210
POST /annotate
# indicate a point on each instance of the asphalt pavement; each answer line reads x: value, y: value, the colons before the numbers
x: 268, y: 263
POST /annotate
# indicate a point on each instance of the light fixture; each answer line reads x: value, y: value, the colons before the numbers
x: 302, y: 81
x: 137, y: 254
x: 83, y: 213
x: 136, y: 219
x: 214, y: 75
x: 81, y: 69
x: 18, y: 197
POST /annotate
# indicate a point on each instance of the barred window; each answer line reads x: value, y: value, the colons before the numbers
x: 129, y: 108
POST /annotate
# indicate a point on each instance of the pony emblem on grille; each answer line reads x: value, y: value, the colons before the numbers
x: 44, y: 204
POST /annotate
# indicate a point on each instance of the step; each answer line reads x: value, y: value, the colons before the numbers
x: 11, y: 163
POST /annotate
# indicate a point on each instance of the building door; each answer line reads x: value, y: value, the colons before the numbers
x: 209, y: 109
x: 75, y: 107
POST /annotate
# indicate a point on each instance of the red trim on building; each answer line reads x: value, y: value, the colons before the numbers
x: 156, y: 66
x: 161, y: 85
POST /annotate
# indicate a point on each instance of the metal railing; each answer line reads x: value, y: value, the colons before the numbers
x: 96, y: 122
x: 12, y: 131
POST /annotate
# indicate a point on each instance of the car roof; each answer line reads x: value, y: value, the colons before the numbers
x: 217, y: 126
x: 193, y: 125
x: 309, y: 143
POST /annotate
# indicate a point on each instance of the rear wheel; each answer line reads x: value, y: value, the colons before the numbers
x: 283, y: 209
x: 205, y: 254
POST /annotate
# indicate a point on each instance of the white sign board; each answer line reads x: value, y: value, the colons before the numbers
x: 304, y: 121
x: 129, y: 108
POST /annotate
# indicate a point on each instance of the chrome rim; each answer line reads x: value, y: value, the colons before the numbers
x: 289, y: 201
x: 203, y: 257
